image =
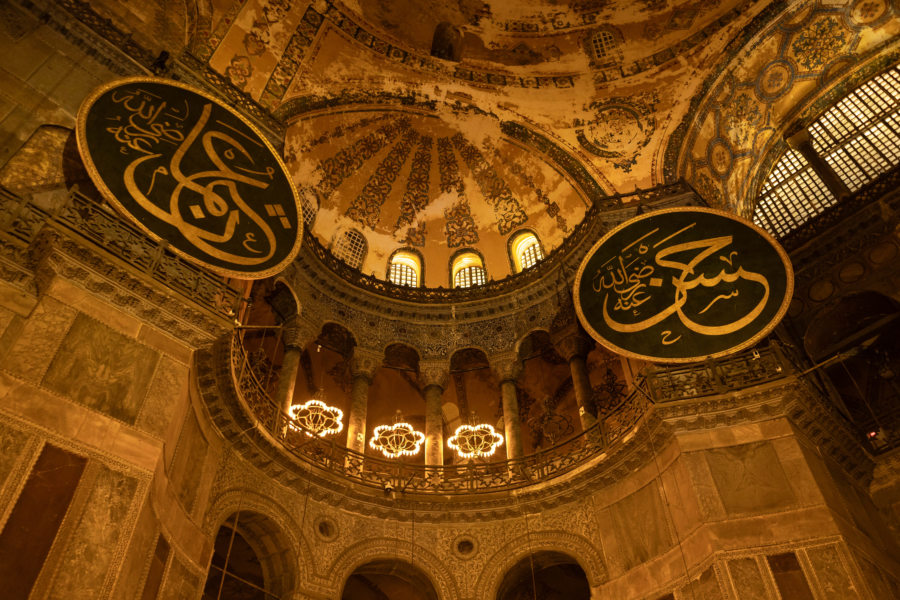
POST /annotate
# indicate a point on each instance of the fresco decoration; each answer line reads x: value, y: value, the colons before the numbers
x: 348, y: 160
x: 342, y: 130
x: 366, y: 207
x: 417, y: 186
x: 460, y: 226
x: 620, y: 129
x: 683, y: 285
x: 495, y: 191
x: 415, y: 235
x: 731, y: 126
x: 568, y: 163
x: 516, y: 168
x: 289, y: 63
x: 193, y: 172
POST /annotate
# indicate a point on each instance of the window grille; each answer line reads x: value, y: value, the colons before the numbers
x: 792, y: 195
x: 859, y: 137
x: 604, y: 45
x: 310, y: 207
x: 469, y: 276
x: 350, y: 247
x: 403, y: 274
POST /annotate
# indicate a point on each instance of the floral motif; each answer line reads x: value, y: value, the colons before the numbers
x: 346, y: 162
x: 460, y: 226
x: 510, y: 213
x: 741, y: 119
x: 416, y: 196
x: 239, y: 71
x: 366, y: 207
x: 818, y: 44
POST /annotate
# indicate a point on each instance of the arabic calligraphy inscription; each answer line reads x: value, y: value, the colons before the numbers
x: 191, y: 171
x: 682, y: 285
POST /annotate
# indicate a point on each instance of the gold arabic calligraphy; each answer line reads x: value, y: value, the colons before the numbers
x: 154, y: 129
x: 631, y: 279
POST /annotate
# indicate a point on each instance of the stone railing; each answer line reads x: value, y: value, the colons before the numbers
x: 745, y: 369
x: 615, y: 209
x: 22, y: 220
x: 718, y: 376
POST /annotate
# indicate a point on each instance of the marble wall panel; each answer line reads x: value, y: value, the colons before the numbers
x: 187, y: 465
x: 832, y: 574
x: 6, y: 317
x: 164, y: 398
x: 705, y: 587
x: 749, y: 478
x: 789, y: 576
x: 32, y: 526
x: 95, y: 541
x: 640, y: 526
x: 748, y: 579
x: 13, y: 444
x: 100, y: 368
x: 180, y: 582
x: 30, y: 352
x: 880, y: 584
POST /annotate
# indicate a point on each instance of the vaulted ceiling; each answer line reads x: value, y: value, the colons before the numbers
x: 554, y: 102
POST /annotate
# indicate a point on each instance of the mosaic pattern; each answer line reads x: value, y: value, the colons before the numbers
x: 620, y: 129
x: 366, y: 207
x: 294, y: 54
x: 350, y: 159
x: 819, y: 43
x: 729, y: 130
x: 508, y: 210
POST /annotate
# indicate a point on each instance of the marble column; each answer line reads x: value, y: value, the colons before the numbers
x: 802, y: 143
x: 508, y: 367
x: 573, y: 344
x: 296, y: 334
x: 434, y: 375
x: 363, y: 365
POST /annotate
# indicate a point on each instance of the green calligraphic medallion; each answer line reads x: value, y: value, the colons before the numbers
x: 190, y: 171
x: 683, y: 285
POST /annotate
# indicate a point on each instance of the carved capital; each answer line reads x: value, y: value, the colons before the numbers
x: 507, y: 366
x: 572, y: 341
x: 298, y: 332
x: 434, y: 372
x: 365, y: 362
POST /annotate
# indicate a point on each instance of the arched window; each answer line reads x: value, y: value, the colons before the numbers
x: 251, y: 559
x: 525, y: 250
x: 859, y: 138
x: 603, y: 46
x: 467, y: 269
x: 350, y: 246
x: 405, y: 268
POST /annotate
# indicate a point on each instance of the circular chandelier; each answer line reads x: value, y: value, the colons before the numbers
x: 474, y: 441
x: 316, y: 417
x: 399, y: 439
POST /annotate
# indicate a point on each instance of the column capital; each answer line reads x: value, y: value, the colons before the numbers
x: 507, y: 366
x: 365, y: 361
x: 798, y: 139
x: 572, y: 341
x: 434, y: 372
x: 298, y: 332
